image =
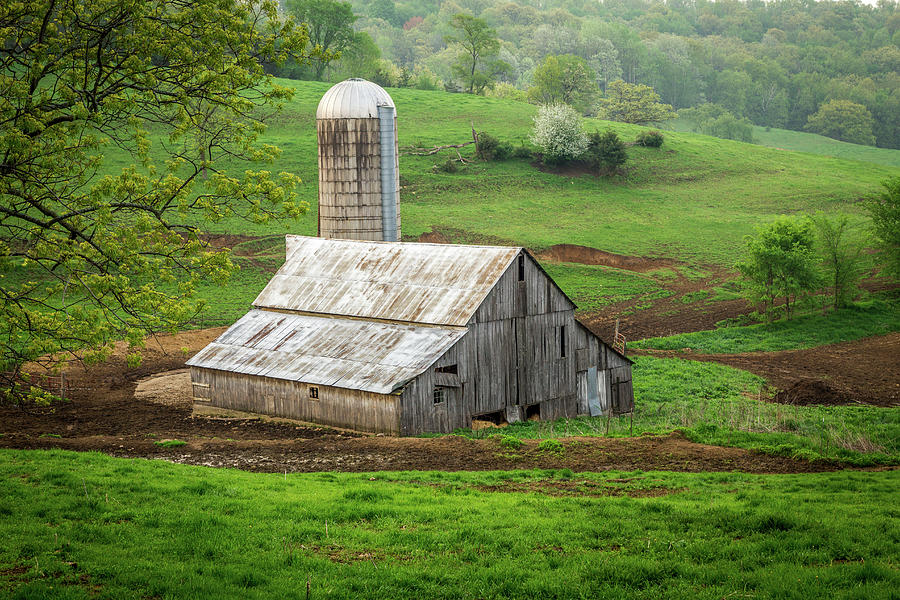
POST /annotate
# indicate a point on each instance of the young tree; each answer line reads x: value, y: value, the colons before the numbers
x: 885, y: 212
x: 633, y: 103
x: 843, y: 120
x: 840, y: 256
x: 780, y: 264
x: 88, y: 255
x: 558, y: 133
x: 477, y: 66
x: 565, y: 79
x: 330, y: 26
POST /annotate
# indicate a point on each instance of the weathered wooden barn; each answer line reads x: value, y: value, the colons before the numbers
x: 406, y: 338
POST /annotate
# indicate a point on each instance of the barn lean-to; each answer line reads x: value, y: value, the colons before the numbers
x: 404, y: 338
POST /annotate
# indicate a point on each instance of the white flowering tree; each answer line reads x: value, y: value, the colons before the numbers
x: 558, y: 133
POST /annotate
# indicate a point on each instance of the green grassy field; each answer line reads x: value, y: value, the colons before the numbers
x: 867, y: 319
x: 693, y: 199
x: 799, y: 141
x: 91, y: 526
x: 721, y: 405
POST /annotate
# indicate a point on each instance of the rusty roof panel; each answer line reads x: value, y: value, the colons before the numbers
x: 439, y: 284
x: 349, y: 353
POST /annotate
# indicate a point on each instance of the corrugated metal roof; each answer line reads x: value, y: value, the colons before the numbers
x: 348, y: 353
x: 440, y: 284
x: 353, y: 99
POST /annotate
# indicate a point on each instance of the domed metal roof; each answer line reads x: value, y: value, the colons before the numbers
x: 353, y: 99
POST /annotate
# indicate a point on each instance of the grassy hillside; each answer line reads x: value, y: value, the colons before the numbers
x: 798, y: 141
x: 87, y: 525
x: 693, y: 199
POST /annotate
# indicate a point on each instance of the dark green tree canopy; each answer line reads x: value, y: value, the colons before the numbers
x: 87, y: 253
x: 330, y: 27
x: 843, y: 120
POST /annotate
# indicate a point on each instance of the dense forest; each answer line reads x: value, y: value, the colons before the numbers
x: 828, y: 67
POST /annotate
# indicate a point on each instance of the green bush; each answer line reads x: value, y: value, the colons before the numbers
x: 650, y: 139
x: 448, y: 166
x: 491, y: 148
x: 507, y: 441
x: 551, y: 446
x: 606, y: 152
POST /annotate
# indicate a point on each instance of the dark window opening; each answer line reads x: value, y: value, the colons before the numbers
x: 521, y: 267
x: 562, y: 341
x: 496, y: 418
x: 533, y: 412
x: 440, y: 395
x: 314, y: 393
x: 452, y: 369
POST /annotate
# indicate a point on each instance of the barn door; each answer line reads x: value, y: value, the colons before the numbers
x: 521, y: 383
x: 594, y: 404
x: 603, y: 390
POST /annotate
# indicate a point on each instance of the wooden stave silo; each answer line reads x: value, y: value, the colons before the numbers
x: 351, y: 194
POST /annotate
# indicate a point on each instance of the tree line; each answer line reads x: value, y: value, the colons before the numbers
x: 829, y: 67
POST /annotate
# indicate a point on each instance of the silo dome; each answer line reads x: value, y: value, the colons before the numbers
x: 353, y: 99
x: 359, y: 171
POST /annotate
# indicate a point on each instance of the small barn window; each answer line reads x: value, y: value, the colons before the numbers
x: 440, y: 395
x: 521, y: 267
x: 562, y: 341
x: 314, y: 392
x: 452, y: 369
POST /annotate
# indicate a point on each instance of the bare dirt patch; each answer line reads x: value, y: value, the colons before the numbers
x: 171, y: 388
x: 864, y: 371
x: 586, y: 255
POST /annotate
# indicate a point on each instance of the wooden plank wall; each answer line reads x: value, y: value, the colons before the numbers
x: 353, y: 409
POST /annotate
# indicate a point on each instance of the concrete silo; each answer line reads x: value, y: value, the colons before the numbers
x: 359, y: 171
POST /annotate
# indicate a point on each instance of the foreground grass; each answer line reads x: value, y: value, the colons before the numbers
x: 874, y: 318
x: 720, y: 405
x: 87, y: 525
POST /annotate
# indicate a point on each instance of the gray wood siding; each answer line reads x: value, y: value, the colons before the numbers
x: 339, y: 407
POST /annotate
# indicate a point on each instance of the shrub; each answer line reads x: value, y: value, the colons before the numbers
x: 508, y: 441
x: 448, y: 166
x: 649, y: 139
x: 523, y: 152
x: 558, y: 134
x: 606, y: 151
x: 551, y: 447
x: 490, y: 148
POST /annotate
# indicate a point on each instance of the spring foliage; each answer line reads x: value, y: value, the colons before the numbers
x: 90, y: 254
x: 780, y: 264
x: 558, y: 133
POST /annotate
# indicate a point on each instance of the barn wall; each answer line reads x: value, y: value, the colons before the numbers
x: 339, y: 407
x: 619, y: 391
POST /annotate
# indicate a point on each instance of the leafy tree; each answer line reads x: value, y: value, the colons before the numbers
x: 633, y: 103
x: 605, y: 61
x: 330, y: 26
x: 885, y: 212
x: 359, y: 59
x: 89, y: 255
x: 715, y: 120
x: 558, y: 133
x: 841, y: 256
x: 565, y: 79
x: 477, y: 66
x: 843, y: 120
x: 780, y: 264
